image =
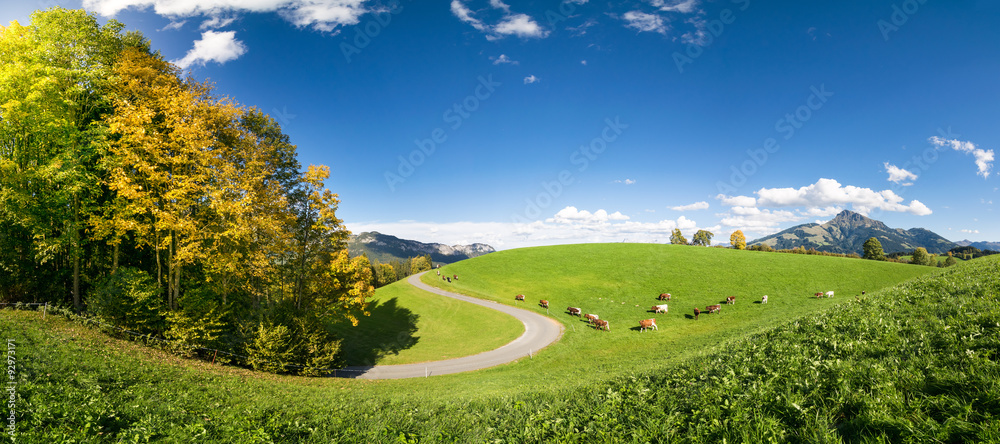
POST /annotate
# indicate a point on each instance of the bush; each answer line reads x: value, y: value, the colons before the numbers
x: 271, y: 349
x: 200, y: 320
x: 129, y: 299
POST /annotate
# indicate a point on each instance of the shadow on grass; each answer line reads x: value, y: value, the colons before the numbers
x: 387, y: 331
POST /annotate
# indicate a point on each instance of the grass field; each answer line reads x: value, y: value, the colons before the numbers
x: 408, y: 325
x: 916, y: 362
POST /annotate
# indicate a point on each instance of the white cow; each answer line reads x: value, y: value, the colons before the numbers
x: 829, y: 294
x: 764, y: 299
x: 662, y: 308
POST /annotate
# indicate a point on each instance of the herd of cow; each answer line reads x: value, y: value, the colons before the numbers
x: 602, y: 324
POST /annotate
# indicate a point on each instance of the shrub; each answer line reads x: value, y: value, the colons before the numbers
x: 271, y: 349
x: 129, y: 299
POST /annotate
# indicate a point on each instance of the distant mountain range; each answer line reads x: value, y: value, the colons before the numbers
x: 995, y: 246
x: 384, y: 248
x: 847, y: 233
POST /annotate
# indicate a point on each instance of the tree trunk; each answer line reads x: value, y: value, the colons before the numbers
x: 77, y: 305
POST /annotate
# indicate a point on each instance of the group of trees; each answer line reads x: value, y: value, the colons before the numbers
x: 919, y: 256
x: 701, y: 238
x: 399, y: 269
x: 137, y: 195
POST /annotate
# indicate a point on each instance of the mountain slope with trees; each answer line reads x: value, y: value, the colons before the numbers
x: 385, y: 248
x: 847, y: 232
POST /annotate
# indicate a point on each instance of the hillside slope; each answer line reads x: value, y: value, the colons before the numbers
x: 847, y: 232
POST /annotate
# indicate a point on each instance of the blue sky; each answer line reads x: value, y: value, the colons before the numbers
x: 535, y: 123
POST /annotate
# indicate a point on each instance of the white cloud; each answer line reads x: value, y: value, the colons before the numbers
x: 465, y: 14
x: 503, y: 59
x: 737, y: 201
x: 531, y: 79
x: 822, y: 212
x: 984, y: 158
x: 829, y: 192
x: 583, y: 62
x: 219, y: 47
x: 217, y: 22
x: 571, y: 215
x: 644, y: 22
x: 520, y: 25
x: 691, y: 207
x: 500, y: 5
x: 568, y: 226
x: 970, y: 231
x: 699, y: 36
x: 323, y: 15
x: 173, y: 26
x: 682, y: 6
x: 626, y: 181
x: 898, y: 175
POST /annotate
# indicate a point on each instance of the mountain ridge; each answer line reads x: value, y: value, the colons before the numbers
x: 386, y: 248
x: 847, y: 232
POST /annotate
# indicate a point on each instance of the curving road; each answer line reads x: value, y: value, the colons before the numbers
x: 539, y: 332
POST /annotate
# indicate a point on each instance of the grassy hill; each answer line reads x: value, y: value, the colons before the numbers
x: 907, y: 360
x: 408, y: 325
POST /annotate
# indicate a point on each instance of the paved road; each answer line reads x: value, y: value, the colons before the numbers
x: 539, y: 332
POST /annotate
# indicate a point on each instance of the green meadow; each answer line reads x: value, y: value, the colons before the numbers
x: 914, y: 360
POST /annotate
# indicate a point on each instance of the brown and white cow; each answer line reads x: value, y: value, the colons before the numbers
x: 573, y: 311
x: 731, y: 300
x: 763, y: 300
x: 519, y: 297
x: 696, y: 313
x: 647, y: 323
x: 714, y: 308
x: 662, y: 308
x: 818, y: 295
x: 544, y: 303
x: 592, y: 317
x: 664, y: 297
x: 602, y: 325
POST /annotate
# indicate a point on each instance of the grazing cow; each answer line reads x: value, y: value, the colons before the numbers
x: 731, y: 300
x: 602, y: 325
x: 573, y: 311
x: 664, y: 297
x: 592, y: 317
x: 662, y: 308
x: 829, y: 294
x: 714, y: 308
x: 456, y: 276
x: 519, y: 297
x: 439, y: 272
x: 696, y: 313
x: 449, y: 280
x: 818, y: 295
x: 862, y: 293
x: 544, y: 303
x: 764, y: 299
x: 647, y: 323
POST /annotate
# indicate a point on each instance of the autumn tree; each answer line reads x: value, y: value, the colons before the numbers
x: 702, y: 238
x: 677, y: 238
x: 738, y: 240
x: 873, y: 250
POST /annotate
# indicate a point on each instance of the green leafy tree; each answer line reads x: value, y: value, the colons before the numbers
x: 677, y: 238
x: 920, y: 256
x: 950, y: 261
x: 703, y: 238
x: 873, y: 250
x: 738, y: 240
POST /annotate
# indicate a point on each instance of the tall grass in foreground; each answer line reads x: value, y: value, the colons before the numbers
x: 914, y: 363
